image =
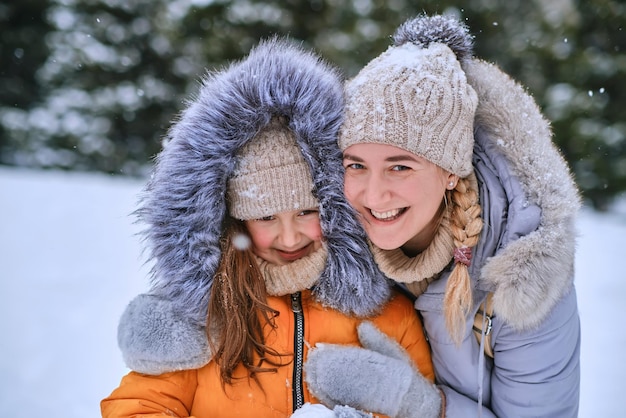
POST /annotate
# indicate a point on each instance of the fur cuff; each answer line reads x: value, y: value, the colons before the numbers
x: 155, y: 338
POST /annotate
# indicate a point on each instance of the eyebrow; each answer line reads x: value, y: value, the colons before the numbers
x: 391, y: 159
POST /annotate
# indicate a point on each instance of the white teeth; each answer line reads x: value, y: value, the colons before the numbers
x: 385, y: 215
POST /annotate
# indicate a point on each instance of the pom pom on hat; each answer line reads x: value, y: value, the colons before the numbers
x: 271, y: 175
x: 424, y: 30
x: 415, y: 96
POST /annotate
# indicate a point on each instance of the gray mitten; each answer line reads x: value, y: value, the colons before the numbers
x: 349, y: 412
x: 379, y: 377
x: 320, y: 411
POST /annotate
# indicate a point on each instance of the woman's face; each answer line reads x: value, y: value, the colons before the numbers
x: 285, y: 237
x: 397, y: 193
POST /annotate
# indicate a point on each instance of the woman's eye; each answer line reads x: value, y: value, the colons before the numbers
x: 400, y: 168
x: 355, y: 166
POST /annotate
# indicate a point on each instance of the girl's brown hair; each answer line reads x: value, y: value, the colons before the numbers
x: 238, y: 311
x: 466, y: 225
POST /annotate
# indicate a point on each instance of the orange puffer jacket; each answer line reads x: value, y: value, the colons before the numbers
x: 198, y: 393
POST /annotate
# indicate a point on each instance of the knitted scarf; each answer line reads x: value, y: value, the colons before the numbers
x: 296, y: 276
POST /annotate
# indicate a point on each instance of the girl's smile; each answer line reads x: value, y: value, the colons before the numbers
x: 285, y: 237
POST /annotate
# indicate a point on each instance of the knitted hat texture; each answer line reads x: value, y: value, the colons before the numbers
x: 417, y: 98
x: 271, y: 176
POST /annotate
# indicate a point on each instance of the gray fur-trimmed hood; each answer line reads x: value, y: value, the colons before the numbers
x: 184, y: 202
x: 531, y: 273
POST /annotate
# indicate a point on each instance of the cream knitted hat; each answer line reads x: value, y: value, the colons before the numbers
x: 415, y: 98
x: 271, y: 176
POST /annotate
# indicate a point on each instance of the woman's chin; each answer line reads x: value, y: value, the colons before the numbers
x: 386, y: 243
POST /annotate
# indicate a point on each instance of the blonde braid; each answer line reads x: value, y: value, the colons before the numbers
x: 466, y: 225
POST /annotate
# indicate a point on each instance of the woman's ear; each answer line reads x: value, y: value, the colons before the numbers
x: 453, y: 179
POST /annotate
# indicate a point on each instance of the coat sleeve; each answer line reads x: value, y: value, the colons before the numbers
x: 535, y: 373
x: 169, y: 394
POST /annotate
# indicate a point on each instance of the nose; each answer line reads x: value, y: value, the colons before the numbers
x: 289, y: 236
x: 376, y: 192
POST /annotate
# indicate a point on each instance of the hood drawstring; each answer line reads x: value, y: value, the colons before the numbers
x: 481, y: 367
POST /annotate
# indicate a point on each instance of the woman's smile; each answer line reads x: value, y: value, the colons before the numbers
x: 389, y: 215
x: 397, y: 193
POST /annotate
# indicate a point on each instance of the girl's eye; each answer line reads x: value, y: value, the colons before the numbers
x: 266, y: 218
x: 308, y: 212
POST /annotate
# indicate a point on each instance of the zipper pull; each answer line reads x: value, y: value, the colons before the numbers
x: 296, y: 305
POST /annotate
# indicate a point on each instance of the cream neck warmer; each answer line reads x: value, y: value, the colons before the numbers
x: 417, y: 272
x: 294, y: 277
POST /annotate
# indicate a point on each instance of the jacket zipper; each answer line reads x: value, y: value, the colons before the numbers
x: 298, y: 341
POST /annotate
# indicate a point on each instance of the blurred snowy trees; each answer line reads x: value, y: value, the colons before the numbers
x: 94, y: 84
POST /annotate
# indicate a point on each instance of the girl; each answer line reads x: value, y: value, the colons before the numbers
x: 255, y: 247
x: 464, y: 197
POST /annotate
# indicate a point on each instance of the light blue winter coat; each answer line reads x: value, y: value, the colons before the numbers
x: 525, y: 255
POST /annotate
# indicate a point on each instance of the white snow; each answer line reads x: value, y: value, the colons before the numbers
x: 70, y: 261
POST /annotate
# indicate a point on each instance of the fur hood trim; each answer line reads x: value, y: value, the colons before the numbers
x: 185, y: 201
x: 532, y: 273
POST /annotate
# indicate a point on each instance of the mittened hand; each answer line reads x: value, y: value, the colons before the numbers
x: 309, y: 410
x: 379, y: 377
x: 320, y: 411
x: 358, y: 377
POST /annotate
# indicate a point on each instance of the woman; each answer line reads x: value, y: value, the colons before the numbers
x: 462, y: 194
x: 253, y: 246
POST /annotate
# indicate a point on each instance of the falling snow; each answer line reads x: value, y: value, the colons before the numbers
x: 241, y: 242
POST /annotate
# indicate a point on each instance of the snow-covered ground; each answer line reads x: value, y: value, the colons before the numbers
x: 70, y: 261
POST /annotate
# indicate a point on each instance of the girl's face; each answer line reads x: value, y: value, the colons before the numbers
x: 285, y: 237
x: 397, y: 193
